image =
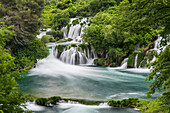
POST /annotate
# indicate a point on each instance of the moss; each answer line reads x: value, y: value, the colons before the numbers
x: 68, y: 28
x: 131, y: 60
x: 60, y: 48
x: 81, y: 24
x: 131, y: 102
x: 80, y: 18
x: 140, y: 58
x: 73, y: 45
x: 80, y: 31
x: 83, y: 46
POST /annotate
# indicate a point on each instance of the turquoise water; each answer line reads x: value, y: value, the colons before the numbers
x: 51, y: 77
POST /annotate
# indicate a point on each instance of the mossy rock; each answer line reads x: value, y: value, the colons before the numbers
x: 83, y: 46
x: 60, y: 48
x: 140, y: 58
x: 68, y: 28
x: 131, y: 60
x: 73, y: 45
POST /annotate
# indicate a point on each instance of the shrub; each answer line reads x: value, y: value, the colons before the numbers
x: 55, y: 34
x: 41, y: 101
x: 46, y: 38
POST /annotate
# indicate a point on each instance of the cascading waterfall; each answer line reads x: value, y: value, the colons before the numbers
x: 124, y: 63
x: 75, y: 56
x: 75, y: 31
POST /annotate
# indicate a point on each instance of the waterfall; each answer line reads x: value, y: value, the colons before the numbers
x: 74, y: 56
x: 124, y: 63
x: 75, y: 31
x: 136, y: 59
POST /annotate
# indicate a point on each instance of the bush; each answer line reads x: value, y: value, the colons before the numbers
x: 131, y: 102
x: 54, y: 100
x: 101, y: 62
x: 46, y: 38
x: 41, y: 101
x: 55, y: 34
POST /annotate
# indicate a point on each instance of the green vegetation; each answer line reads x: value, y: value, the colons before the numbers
x: 131, y: 102
x: 64, y: 40
x: 47, y: 101
x: 56, y: 34
x: 116, y: 29
x: 19, y: 48
x: 73, y: 45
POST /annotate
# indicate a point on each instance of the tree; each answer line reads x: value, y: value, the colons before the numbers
x: 60, y: 20
x: 24, y: 16
x: 10, y: 99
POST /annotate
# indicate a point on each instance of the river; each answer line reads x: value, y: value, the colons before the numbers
x: 51, y: 77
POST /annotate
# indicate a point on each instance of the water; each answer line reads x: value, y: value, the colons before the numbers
x: 52, y: 77
x: 78, y: 108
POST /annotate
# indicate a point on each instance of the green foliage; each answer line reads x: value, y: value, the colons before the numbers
x: 131, y: 102
x: 143, y: 63
x: 60, y: 20
x: 160, y: 72
x: 46, y: 38
x: 23, y: 15
x: 41, y: 101
x: 60, y: 48
x: 131, y: 60
x: 75, y: 22
x: 150, y: 55
x: 140, y: 58
x: 64, y: 40
x: 27, y: 56
x: 83, y: 46
x: 101, y: 62
x: 47, y: 101
x: 56, y: 34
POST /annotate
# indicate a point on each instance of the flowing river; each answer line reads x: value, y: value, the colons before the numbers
x: 51, y: 77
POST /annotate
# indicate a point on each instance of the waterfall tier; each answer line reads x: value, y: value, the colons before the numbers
x: 75, y: 28
x: 75, y: 55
